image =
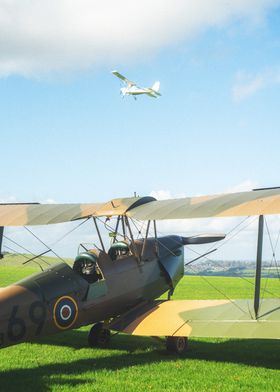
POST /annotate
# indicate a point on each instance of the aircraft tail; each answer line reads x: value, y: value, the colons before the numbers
x: 156, y: 86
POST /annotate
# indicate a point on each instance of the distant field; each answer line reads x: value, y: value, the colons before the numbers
x: 65, y: 363
x: 12, y: 268
x: 18, y: 260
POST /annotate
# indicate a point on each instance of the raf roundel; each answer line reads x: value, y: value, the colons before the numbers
x: 65, y: 312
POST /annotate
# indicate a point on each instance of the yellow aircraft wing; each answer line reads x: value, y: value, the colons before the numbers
x: 202, y: 318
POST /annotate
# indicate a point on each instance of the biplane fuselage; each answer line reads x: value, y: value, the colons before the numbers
x: 61, y: 298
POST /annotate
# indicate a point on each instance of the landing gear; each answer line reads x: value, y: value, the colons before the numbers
x: 99, y: 336
x: 176, y: 344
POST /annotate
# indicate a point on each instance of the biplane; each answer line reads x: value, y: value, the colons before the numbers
x: 117, y: 289
x: 131, y: 88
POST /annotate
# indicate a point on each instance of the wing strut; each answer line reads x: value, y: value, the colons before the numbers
x: 98, y: 233
x: 1, y: 240
x: 258, y: 267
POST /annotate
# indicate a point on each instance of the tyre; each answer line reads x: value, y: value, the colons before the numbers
x: 99, y: 336
x: 177, y: 344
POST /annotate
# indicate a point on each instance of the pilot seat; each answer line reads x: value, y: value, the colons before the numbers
x: 118, y: 250
x: 86, y: 266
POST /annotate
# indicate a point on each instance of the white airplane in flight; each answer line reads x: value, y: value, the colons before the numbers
x: 131, y: 88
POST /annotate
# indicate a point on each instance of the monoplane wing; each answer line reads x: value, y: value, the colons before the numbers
x: 258, y: 202
x: 151, y: 95
x: 202, y: 318
x: 123, y: 78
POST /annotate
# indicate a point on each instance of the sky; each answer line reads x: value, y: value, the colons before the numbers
x: 68, y: 136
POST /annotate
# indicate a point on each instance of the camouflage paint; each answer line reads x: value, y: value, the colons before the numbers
x: 59, y: 299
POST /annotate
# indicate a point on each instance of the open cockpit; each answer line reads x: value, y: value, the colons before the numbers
x: 86, y: 265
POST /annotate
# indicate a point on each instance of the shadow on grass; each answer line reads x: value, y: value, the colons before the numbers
x: 135, y: 351
x: 254, y: 352
x: 78, y: 339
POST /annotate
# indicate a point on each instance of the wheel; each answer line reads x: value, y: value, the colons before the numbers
x: 177, y: 344
x: 99, y: 336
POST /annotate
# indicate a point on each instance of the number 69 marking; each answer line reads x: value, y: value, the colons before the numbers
x: 17, y: 326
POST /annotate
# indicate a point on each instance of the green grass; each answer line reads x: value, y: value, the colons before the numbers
x: 65, y: 363
x: 12, y: 268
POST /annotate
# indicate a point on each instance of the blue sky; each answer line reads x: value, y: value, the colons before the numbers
x: 68, y: 136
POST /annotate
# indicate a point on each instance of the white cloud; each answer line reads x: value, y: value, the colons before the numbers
x: 8, y: 199
x: 38, y: 37
x: 244, y: 90
x: 164, y: 194
x: 48, y: 201
x: 246, y: 185
x: 247, y: 84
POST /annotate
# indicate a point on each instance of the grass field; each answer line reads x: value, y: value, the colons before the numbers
x: 65, y: 363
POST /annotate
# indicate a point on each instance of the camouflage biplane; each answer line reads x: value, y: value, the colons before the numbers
x: 117, y: 288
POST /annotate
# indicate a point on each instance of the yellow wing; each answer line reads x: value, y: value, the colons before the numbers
x: 202, y: 318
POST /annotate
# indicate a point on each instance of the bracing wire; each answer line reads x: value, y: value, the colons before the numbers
x: 273, y: 259
x: 49, y: 248
x: 273, y: 248
x: 229, y: 238
x: 43, y: 243
x: 236, y: 275
x: 71, y: 231
x: 223, y: 243
x: 222, y: 293
x: 26, y: 257
x: 23, y: 248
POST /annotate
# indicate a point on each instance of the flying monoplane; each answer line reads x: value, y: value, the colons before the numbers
x: 118, y: 288
x: 131, y: 88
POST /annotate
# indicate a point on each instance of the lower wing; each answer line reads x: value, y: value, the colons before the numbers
x: 202, y: 318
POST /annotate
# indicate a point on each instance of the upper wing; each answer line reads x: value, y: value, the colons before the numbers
x: 44, y: 214
x: 123, y: 78
x: 146, y: 208
x: 232, y: 204
x: 202, y: 318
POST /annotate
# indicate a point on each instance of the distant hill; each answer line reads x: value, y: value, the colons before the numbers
x: 232, y: 268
